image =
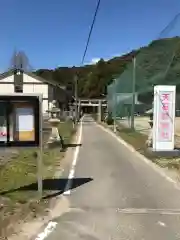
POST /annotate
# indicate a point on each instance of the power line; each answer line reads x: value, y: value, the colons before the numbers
x: 169, y: 26
x: 161, y: 35
x: 90, y: 32
x: 82, y: 62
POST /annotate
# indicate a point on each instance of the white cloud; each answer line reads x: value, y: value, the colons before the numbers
x: 95, y: 60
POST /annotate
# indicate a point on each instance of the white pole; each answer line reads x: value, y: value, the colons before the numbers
x: 133, y: 93
x: 76, y: 97
x: 40, y: 155
x: 114, y: 88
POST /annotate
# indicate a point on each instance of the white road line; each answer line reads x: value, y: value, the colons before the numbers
x: 143, y: 158
x: 148, y: 211
x: 72, y: 170
x: 162, y: 224
x: 50, y: 227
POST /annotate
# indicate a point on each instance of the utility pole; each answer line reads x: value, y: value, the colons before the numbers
x: 114, y: 106
x: 133, y: 93
x: 76, y: 97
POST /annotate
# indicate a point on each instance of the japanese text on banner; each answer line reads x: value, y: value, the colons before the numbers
x: 164, y: 117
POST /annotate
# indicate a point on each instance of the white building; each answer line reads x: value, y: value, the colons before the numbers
x: 19, y: 81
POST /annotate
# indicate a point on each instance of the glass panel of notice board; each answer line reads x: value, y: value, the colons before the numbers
x: 19, y: 122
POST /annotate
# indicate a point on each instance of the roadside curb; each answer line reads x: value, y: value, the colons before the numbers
x: 142, y: 157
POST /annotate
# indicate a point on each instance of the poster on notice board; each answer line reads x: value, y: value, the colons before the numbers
x: 25, y: 123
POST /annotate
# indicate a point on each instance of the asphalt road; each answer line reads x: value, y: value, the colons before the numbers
x: 119, y: 197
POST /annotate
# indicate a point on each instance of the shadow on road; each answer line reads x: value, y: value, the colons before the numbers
x: 57, y: 185
x: 70, y: 145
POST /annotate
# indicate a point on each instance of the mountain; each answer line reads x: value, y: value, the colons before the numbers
x: 157, y: 63
x: 92, y: 79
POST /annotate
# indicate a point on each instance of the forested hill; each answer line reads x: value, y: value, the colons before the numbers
x: 93, y: 79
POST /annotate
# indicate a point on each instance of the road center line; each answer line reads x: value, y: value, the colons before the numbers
x: 75, y: 157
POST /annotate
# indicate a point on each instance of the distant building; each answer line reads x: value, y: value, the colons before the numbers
x: 25, y: 82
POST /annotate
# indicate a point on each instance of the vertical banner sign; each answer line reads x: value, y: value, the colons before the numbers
x: 164, y: 118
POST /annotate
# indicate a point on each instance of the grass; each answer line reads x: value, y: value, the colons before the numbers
x: 66, y: 130
x: 138, y: 140
x: 22, y: 171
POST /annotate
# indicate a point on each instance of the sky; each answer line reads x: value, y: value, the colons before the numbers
x: 53, y: 33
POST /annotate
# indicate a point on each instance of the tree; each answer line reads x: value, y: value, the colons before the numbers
x: 152, y: 62
x: 19, y: 60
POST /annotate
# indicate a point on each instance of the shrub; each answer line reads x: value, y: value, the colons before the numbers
x: 109, y: 119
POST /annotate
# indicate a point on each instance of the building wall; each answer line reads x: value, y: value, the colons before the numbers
x: 30, y: 85
x: 41, y: 88
x: 9, y: 79
x: 29, y: 79
x: 28, y: 88
x: 7, y: 85
x: 6, y: 88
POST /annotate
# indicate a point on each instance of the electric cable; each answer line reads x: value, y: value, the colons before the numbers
x: 90, y: 32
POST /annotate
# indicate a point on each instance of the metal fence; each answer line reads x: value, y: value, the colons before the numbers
x: 131, y: 93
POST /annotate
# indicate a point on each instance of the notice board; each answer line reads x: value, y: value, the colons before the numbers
x: 20, y: 120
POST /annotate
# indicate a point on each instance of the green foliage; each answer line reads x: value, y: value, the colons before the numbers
x: 157, y: 63
x: 92, y: 79
x: 109, y: 119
